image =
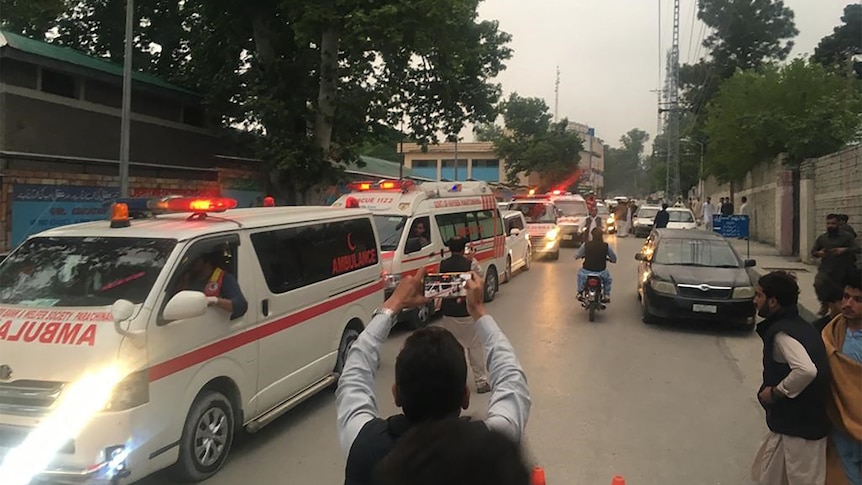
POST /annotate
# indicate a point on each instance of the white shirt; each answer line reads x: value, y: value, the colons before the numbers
x: 708, y: 210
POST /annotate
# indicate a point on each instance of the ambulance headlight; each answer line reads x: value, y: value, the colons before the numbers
x: 552, y: 234
x: 131, y: 392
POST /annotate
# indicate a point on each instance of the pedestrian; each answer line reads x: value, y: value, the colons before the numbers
x: 662, y: 217
x: 633, y: 209
x: 844, y: 220
x: 708, y: 211
x: 843, y: 340
x: 454, y: 452
x: 593, y: 221
x: 837, y: 251
x: 727, y: 207
x: 621, y: 218
x: 697, y: 208
x: 430, y: 380
x: 794, y: 390
x: 457, y: 318
x: 834, y: 300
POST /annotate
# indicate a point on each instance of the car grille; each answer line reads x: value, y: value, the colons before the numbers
x: 534, y: 240
x: 28, y: 398
x: 706, y: 292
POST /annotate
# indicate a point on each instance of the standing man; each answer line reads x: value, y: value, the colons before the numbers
x: 592, y: 222
x: 708, y: 211
x: 844, y: 219
x: 621, y: 217
x: 794, y: 389
x: 456, y: 317
x: 837, y: 251
x: 662, y: 217
x: 843, y: 339
x: 727, y: 207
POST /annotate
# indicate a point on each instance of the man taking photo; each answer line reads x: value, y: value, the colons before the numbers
x: 430, y: 380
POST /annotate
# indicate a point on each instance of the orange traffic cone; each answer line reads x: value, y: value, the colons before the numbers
x: 618, y: 481
x: 538, y: 477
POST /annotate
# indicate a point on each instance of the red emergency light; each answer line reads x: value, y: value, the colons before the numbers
x: 195, y: 204
x: 269, y: 201
x: 402, y: 185
x: 351, y: 203
x: 532, y: 197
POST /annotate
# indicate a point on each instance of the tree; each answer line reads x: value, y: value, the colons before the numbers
x: 531, y: 142
x: 837, y: 49
x: 624, y: 165
x: 745, y: 35
x: 314, y: 80
x: 801, y: 110
x: 30, y: 17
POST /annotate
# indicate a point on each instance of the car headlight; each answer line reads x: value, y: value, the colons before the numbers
x: 553, y: 233
x: 131, y: 392
x: 743, y: 292
x: 665, y: 287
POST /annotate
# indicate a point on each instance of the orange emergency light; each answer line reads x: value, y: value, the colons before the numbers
x: 119, y: 215
x: 196, y: 204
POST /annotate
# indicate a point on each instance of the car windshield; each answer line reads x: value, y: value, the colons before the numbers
x: 602, y: 210
x: 536, y: 212
x: 647, y: 212
x: 696, y: 252
x: 571, y: 208
x: 82, y: 271
x: 681, y: 216
x: 389, y: 229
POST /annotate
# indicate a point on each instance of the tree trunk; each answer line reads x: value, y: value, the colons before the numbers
x: 325, y: 115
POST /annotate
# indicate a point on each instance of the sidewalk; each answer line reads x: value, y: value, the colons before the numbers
x: 768, y: 260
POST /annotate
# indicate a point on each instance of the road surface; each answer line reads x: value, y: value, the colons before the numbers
x: 660, y: 405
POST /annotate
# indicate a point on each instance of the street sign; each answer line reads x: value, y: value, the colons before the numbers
x: 731, y: 226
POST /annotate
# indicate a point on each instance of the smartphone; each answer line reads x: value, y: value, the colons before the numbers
x: 446, y: 285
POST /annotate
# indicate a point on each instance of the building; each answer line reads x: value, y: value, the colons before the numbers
x: 476, y: 161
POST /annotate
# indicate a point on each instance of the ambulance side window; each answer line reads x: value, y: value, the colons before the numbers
x: 419, y: 235
x: 452, y: 225
x: 220, y: 251
x: 489, y: 224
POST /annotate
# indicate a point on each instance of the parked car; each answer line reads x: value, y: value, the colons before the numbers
x: 642, y: 221
x: 518, y: 247
x: 681, y: 218
x: 696, y: 275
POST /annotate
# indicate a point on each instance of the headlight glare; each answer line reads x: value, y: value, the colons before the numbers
x: 131, y: 392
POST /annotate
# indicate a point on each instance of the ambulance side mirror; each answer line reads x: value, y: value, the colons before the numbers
x: 121, y: 311
x: 184, y: 305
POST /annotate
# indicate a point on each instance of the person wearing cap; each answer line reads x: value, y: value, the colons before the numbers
x: 220, y: 287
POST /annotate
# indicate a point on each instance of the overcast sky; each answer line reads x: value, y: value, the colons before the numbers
x: 608, y: 53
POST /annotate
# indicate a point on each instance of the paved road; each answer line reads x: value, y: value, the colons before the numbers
x: 661, y: 405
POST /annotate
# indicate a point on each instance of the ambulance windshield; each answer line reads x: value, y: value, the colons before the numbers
x: 536, y: 212
x: 82, y: 272
x: 389, y: 230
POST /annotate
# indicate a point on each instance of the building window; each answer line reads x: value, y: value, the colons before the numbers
x: 448, y: 171
x: 486, y: 170
x: 425, y: 164
x: 58, y: 83
x: 425, y: 168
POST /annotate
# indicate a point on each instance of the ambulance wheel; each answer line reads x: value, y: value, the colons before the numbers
x: 528, y: 259
x: 348, y: 338
x: 507, y: 276
x: 207, y: 437
x: 492, y: 284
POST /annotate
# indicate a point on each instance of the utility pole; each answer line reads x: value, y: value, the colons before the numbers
x: 456, y: 158
x: 126, y: 116
x: 557, y: 95
x: 673, y: 125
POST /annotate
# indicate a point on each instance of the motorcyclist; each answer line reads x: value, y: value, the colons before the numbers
x: 596, y: 253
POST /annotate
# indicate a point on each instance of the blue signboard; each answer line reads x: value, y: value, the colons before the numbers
x: 731, y: 226
x: 36, y: 208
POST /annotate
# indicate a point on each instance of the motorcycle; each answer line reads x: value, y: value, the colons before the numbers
x: 593, y: 296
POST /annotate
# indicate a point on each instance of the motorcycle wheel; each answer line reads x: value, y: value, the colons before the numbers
x: 592, y: 312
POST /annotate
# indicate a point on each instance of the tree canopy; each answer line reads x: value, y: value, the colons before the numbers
x: 314, y: 79
x: 837, y: 49
x: 530, y: 142
x: 624, y: 166
x: 801, y: 110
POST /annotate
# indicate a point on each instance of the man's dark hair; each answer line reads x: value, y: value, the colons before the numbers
x: 664, y: 205
x: 431, y: 375
x: 598, y: 234
x: 830, y: 217
x: 744, y: 199
x: 853, y: 279
x: 454, y: 452
x: 457, y: 244
x: 782, y: 286
x: 213, y: 257
x: 843, y: 218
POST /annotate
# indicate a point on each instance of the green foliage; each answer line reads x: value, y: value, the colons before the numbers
x: 530, y: 142
x: 313, y: 79
x: 30, y: 17
x: 837, y: 49
x: 745, y: 34
x: 801, y: 110
x: 624, y: 166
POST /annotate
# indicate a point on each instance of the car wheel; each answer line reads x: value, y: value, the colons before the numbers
x: 491, y: 284
x: 422, y: 316
x: 207, y: 437
x: 507, y: 276
x: 528, y: 259
x: 555, y: 255
x: 348, y: 338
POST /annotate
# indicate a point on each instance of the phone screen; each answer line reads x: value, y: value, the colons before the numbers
x: 446, y: 285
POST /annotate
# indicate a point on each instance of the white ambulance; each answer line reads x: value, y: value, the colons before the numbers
x: 574, y: 212
x: 131, y: 346
x: 416, y: 220
x: 542, y: 223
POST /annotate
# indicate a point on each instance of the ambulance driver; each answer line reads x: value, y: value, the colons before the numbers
x: 220, y: 287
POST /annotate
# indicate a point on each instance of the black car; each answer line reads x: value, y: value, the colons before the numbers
x: 685, y: 274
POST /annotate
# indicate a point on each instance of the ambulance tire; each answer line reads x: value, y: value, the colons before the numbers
x: 492, y: 284
x: 211, y: 417
x: 528, y: 259
x: 351, y: 333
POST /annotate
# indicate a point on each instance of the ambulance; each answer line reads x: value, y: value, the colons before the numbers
x: 136, y: 344
x: 415, y: 221
x: 574, y: 212
x: 542, y: 217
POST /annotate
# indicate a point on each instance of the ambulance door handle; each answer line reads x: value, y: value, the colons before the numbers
x: 264, y: 307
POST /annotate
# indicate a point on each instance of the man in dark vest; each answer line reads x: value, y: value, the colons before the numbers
x: 661, y: 218
x: 430, y: 380
x: 456, y: 317
x: 794, y: 391
x: 596, y: 254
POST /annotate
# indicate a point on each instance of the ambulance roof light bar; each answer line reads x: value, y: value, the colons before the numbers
x: 402, y: 185
x: 198, y: 206
x: 455, y: 189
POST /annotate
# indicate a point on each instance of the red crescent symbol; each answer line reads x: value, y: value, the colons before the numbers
x: 350, y: 243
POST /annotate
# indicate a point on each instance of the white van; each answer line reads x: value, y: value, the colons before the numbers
x: 432, y: 213
x: 112, y: 368
x: 574, y: 212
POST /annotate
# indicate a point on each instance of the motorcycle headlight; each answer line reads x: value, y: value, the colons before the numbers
x: 665, y: 287
x: 553, y: 233
x: 743, y: 292
x: 131, y: 392
x: 611, y: 220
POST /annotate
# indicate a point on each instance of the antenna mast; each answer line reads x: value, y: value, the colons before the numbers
x: 557, y: 95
